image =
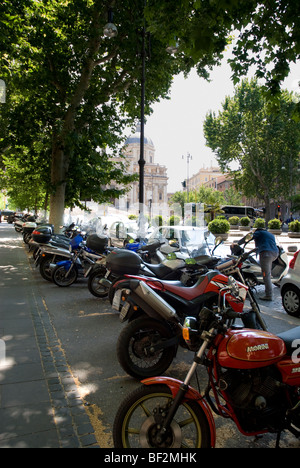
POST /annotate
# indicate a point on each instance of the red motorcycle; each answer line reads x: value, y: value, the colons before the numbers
x: 156, y: 310
x: 253, y: 379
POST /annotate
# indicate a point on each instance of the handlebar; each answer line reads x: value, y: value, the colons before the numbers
x: 235, y: 261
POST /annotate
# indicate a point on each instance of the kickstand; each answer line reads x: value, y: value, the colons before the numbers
x: 278, y: 440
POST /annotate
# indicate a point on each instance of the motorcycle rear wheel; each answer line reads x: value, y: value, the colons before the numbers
x: 134, y: 348
x: 138, y: 419
x: 45, y: 269
x: 94, y: 285
x: 59, y: 276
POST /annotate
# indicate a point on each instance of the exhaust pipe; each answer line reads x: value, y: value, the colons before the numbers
x: 156, y: 302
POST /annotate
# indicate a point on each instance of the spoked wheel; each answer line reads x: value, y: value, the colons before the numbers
x: 141, y: 350
x: 142, y: 413
x: 60, y: 279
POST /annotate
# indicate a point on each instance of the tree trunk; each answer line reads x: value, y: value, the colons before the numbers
x: 268, y: 209
x: 58, y: 181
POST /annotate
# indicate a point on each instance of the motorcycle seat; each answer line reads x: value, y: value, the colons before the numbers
x: 290, y: 337
x: 160, y: 270
x: 189, y: 292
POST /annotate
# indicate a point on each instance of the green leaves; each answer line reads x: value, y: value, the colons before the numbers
x: 263, y: 145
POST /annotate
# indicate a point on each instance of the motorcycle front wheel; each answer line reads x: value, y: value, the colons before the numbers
x: 139, y: 418
x: 60, y: 279
x: 135, y: 349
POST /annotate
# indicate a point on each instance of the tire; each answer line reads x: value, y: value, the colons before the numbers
x: 59, y: 276
x: 291, y: 300
x: 135, y: 425
x: 45, y: 271
x: 133, y: 342
x: 26, y: 237
x: 95, y: 288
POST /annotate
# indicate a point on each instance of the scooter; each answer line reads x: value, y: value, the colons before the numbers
x: 251, y: 267
x: 254, y: 380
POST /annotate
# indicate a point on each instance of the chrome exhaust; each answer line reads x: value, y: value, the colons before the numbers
x: 156, y: 302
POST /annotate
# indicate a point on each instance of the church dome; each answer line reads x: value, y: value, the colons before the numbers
x: 136, y: 137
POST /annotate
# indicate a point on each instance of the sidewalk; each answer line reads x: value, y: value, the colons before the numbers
x: 40, y: 406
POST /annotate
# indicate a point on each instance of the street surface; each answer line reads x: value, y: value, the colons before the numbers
x: 87, y: 329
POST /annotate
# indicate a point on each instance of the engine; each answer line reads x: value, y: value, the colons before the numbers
x: 256, y: 396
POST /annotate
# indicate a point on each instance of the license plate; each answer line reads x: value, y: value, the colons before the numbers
x: 117, y: 300
x: 124, y: 311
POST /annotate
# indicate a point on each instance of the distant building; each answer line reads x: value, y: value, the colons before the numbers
x: 220, y: 183
x: 155, y: 178
x: 205, y: 176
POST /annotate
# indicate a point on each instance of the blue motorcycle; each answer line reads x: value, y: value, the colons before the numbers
x: 82, y: 259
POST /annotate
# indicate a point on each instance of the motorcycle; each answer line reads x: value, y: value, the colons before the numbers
x: 122, y: 261
x: 136, y: 352
x: 101, y: 277
x: 49, y: 248
x: 82, y: 258
x: 156, y: 310
x: 18, y: 222
x: 253, y: 379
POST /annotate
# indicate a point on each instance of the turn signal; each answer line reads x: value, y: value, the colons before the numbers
x: 186, y: 334
x: 293, y: 261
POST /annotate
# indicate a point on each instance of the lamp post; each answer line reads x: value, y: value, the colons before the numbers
x: 110, y: 29
x: 142, y: 137
x: 189, y: 157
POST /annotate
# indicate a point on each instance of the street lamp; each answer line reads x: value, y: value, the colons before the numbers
x: 189, y: 157
x: 110, y: 29
x: 142, y: 135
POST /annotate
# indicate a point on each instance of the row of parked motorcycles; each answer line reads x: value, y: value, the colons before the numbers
x: 206, y: 304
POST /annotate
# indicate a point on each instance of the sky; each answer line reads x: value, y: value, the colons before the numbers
x: 176, y: 125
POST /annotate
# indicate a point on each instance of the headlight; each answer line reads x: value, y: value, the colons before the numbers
x: 234, y: 286
x: 190, y: 332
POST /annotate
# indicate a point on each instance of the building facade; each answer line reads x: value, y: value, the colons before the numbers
x: 206, y: 176
x: 155, y: 177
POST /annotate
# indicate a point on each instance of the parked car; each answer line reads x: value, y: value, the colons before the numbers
x: 5, y: 214
x: 290, y: 287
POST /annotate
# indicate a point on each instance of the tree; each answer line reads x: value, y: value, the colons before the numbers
x: 74, y: 91
x: 77, y: 90
x: 266, y: 33
x: 211, y: 199
x: 254, y: 145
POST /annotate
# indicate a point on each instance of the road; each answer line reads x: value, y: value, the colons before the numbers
x: 88, y: 328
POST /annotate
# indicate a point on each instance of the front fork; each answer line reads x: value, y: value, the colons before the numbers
x: 182, y: 390
x: 73, y: 261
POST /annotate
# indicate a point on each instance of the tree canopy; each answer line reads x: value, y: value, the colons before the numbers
x: 259, y: 148
x: 71, y: 91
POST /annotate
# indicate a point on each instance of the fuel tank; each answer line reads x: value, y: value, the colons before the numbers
x: 250, y: 349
